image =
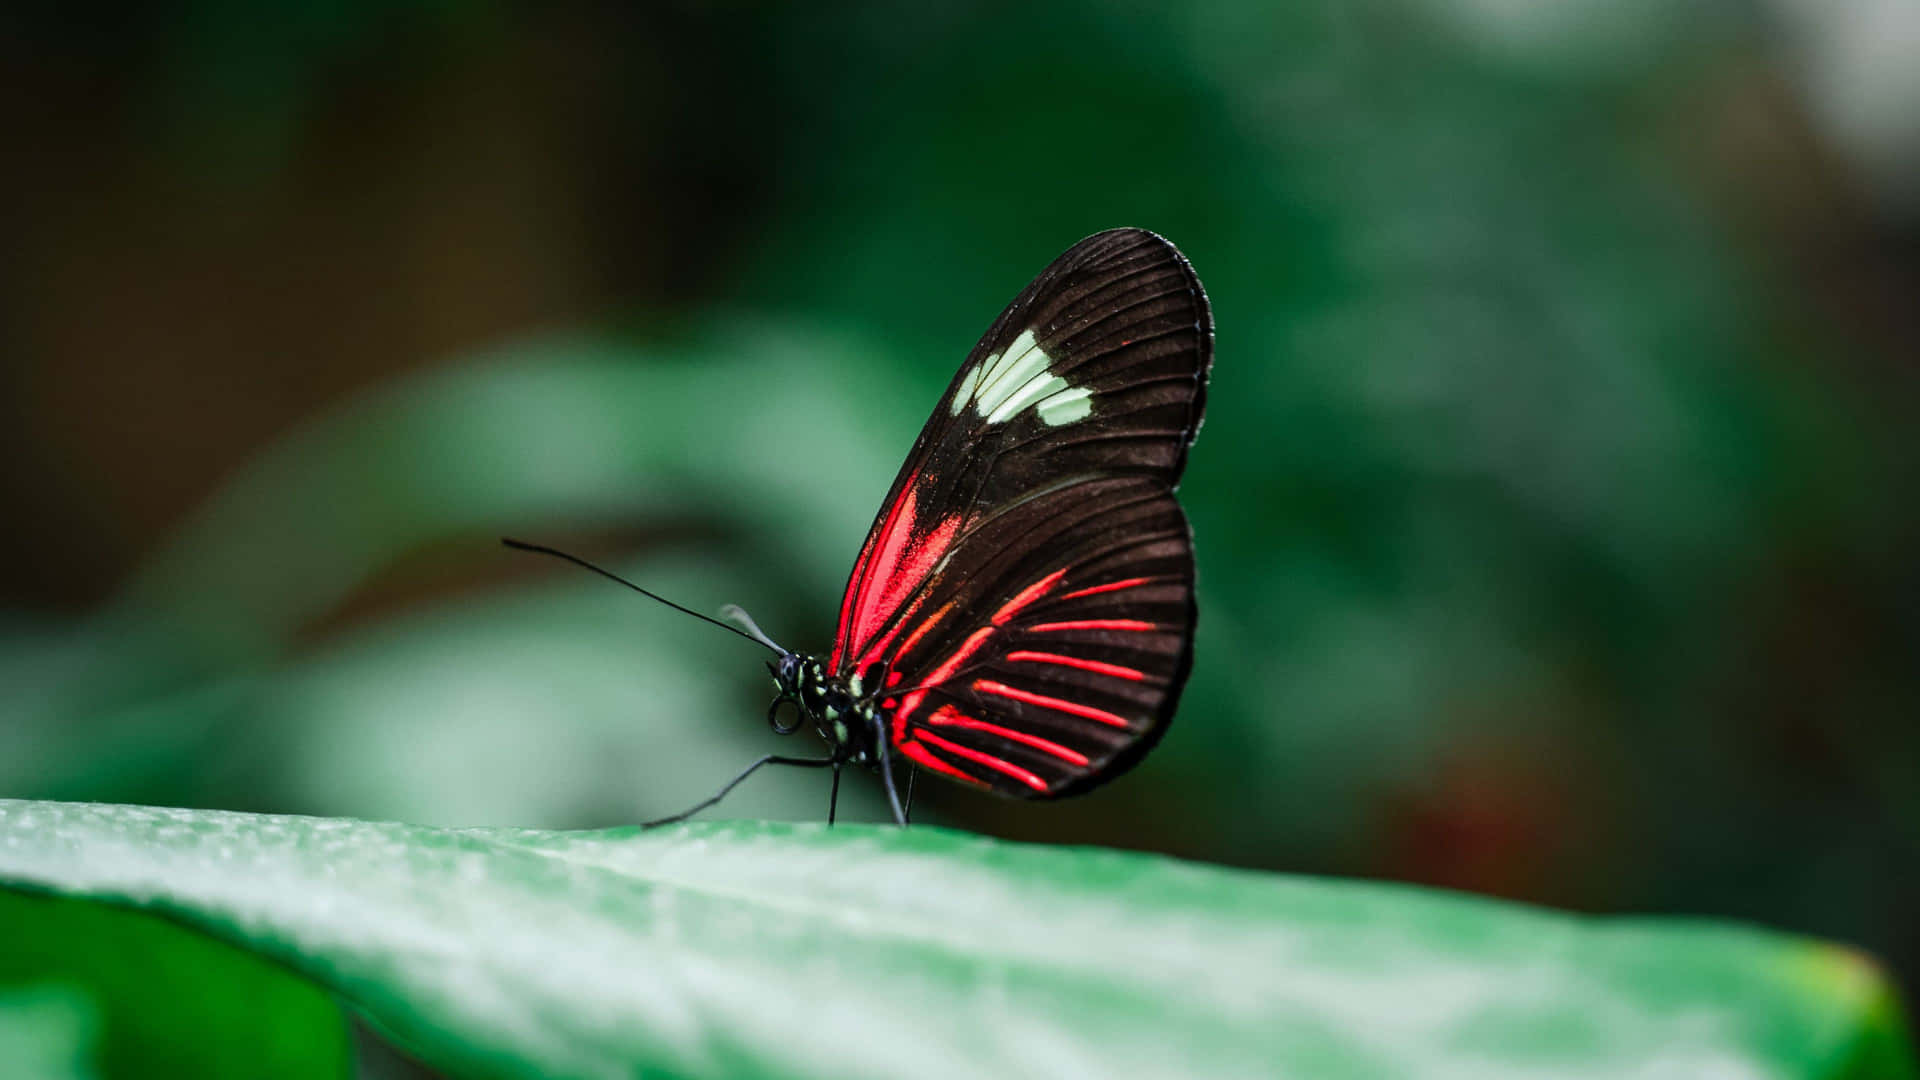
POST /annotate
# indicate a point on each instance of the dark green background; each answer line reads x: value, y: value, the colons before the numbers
x: 1555, y: 508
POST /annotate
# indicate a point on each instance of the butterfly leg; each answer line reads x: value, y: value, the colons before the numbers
x: 770, y: 759
x: 886, y: 775
x: 913, y: 773
x: 833, y: 800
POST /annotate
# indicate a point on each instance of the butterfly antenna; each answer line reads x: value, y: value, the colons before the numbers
x: 541, y: 549
x: 738, y: 614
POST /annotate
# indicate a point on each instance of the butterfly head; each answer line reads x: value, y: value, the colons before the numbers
x: 843, y: 721
x: 799, y: 679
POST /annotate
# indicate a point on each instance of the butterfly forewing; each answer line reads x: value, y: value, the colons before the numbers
x: 1023, y: 607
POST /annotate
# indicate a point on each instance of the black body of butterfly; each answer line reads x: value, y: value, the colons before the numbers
x: 1021, y: 615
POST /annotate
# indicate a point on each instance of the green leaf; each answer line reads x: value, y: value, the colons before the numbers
x: 746, y: 949
x: 86, y: 991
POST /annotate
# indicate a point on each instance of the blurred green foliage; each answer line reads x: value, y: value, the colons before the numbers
x: 1554, y: 509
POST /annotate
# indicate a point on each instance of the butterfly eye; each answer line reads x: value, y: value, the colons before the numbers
x: 773, y: 716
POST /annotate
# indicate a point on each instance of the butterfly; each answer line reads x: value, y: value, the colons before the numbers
x: 1020, y: 617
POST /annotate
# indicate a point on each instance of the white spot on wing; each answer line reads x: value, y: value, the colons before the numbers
x: 1019, y: 366
x: 965, y: 392
x: 1007, y: 382
x: 1066, y: 406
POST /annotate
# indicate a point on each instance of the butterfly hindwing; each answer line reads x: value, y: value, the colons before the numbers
x: 1023, y: 605
x: 1070, y: 673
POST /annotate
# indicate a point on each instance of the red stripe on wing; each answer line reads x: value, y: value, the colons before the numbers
x: 911, y: 700
x: 923, y: 756
x: 1027, y: 596
x: 1072, y: 708
x: 857, y: 584
x: 879, y: 644
x: 1094, y: 624
x: 1094, y: 666
x: 888, y: 570
x: 1113, y: 586
x: 967, y: 648
x: 912, y: 639
x: 949, y: 716
x: 1006, y: 768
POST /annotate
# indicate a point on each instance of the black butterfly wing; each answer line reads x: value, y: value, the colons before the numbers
x: 1022, y: 608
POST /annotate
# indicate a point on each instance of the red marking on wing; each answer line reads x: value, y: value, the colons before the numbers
x: 967, y: 648
x: 893, y: 679
x: 1112, y: 586
x: 1007, y: 768
x: 1095, y: 624
x: 907, y: 572
x: 1027, y: 596
x: 879, y: 644
x: 949, y: 716
x: 890, y: 566
x: 1094, y: 666
x: 858, y: 583
x: 1074, y: 708
x: 914, y: 638
x: 912, y: 700
x: 920, y: 754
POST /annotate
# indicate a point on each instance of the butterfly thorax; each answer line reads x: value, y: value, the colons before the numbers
x: 849, y: 725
